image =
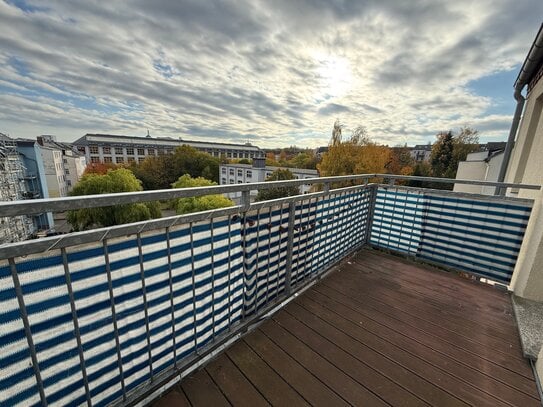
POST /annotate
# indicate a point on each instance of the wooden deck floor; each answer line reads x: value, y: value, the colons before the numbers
x: 378, y: 331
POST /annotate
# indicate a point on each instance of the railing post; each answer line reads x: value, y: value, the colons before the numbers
x: 245, y: 204
x: 290, y: 244
x: 371, y: 209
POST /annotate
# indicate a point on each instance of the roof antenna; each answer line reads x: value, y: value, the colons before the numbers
x: 148, y: 135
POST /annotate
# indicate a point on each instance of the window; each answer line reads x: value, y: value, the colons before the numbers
x: 231, y: 171
x: 169, y: 151
x: 108, y: 160
x: 69, y: 183
x: 95, y: 159
x: 151, y: 151
x: 223, y: 180
x: 223, y: 170
x: 131, y: 159
x: 129, y: 151
x: 67, y: 171
x: 235, y: 155
x: 141, y: 151
x: 229, y: 154
x: 119, y: 150
x: 93, y: 150
x: 160, y: 151
x: 231, y: 181
x: 240, y: 182
x: 249, y: 174
x: 65, y: 161
x: 141, y: 159
x: 81, y: 149
x: 106, y: 150
x: 240, y: 173
x: 119, y: 160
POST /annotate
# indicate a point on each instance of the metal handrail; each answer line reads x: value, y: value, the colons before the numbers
x: 36, y: 206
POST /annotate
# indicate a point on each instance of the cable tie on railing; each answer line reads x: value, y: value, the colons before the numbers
x: 104, y: 235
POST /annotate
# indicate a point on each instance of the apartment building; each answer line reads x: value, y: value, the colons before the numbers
x: 115, y: 149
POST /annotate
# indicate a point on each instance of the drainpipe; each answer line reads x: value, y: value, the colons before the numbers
x: 528, y: 70
x: 511, y: 140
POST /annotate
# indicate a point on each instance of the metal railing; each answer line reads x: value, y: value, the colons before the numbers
x: 109, y: 315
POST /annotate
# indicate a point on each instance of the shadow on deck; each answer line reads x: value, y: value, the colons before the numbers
x: 379, y: 330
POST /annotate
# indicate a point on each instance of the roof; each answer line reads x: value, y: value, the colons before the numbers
x: 533, y: 62
x: 153, y: 141
x: 423, y: 147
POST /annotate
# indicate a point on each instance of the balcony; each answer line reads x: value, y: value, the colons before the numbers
x: 300, y: 300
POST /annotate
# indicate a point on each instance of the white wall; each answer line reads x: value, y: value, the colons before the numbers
x: 472, y: 170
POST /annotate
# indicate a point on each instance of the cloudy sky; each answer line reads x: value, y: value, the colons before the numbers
x: 274, y: 73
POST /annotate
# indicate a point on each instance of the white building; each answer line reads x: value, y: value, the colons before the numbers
x: 63, y: 167
x: 421, y: 152
x: 108, y: 148
x: 258, y: 172
x: 479, y: 166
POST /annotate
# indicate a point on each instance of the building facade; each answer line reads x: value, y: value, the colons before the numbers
x: 107, y: 148
x: 36, y: 184
x: 259, y: 172
x: 421, y: 152
x: 480, y: 166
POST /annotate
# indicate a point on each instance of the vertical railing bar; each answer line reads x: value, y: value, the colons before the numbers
x: 257, y: 257
x: 288, y: 275
x: 230, y: 272
x: 306, y: 233
x: 114, y: 316
x: 76, y: 325
x: 269, y: 252
x: 193, y: 288
x: 172, y: 306
x: 212, y: 277
x: 28, y: 333
x: 245, y: 203
x: 298, y: 242
x: 280, y: 251
x: 371, y: 212
x: 145, y: 305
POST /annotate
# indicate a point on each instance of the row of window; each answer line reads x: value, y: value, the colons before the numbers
x: 248, y: 173
x: 94, y: 149
x: 116, y: 160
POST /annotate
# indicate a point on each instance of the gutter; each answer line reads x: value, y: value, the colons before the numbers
x: 527, y: 71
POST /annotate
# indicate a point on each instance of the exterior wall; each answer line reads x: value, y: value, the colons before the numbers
x: 54, y: 172
x: 478, y: 168
x: 123, y: 150
x: 472, y: 170
x: 33, y: 162
x: 74, y: 166
x: 526, y: 166
x: 420, y: 154
x: 245, y: 173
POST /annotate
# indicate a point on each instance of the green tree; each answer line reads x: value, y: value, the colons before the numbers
x: 198, y: 203
x: 114, y: 181
x: 279, y: 192
x: 441, y: 159
x: 162, y: 171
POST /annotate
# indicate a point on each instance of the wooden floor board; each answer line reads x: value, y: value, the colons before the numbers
x: 380, y: 330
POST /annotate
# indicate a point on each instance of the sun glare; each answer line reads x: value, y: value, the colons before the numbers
x: 335, y: 76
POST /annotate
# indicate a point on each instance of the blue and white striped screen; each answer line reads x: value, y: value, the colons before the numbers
x: 477, y: 235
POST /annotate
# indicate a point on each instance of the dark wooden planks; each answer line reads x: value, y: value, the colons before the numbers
x: 174, y: 398
x: 379, y: 331
x: 238, y: 390
x: 201, y: 391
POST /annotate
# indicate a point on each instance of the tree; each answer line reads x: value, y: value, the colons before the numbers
x: 279, y: 192
x: 441, y: 159
x: 359, y: 155
x: 401, y: 162
x: 449, y: 149
x: 99, y: 168
x: 114, y: 181
x: 198, y: 203
x: 162, y: 171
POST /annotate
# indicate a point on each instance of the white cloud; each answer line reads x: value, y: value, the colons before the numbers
x: 273, y: 73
